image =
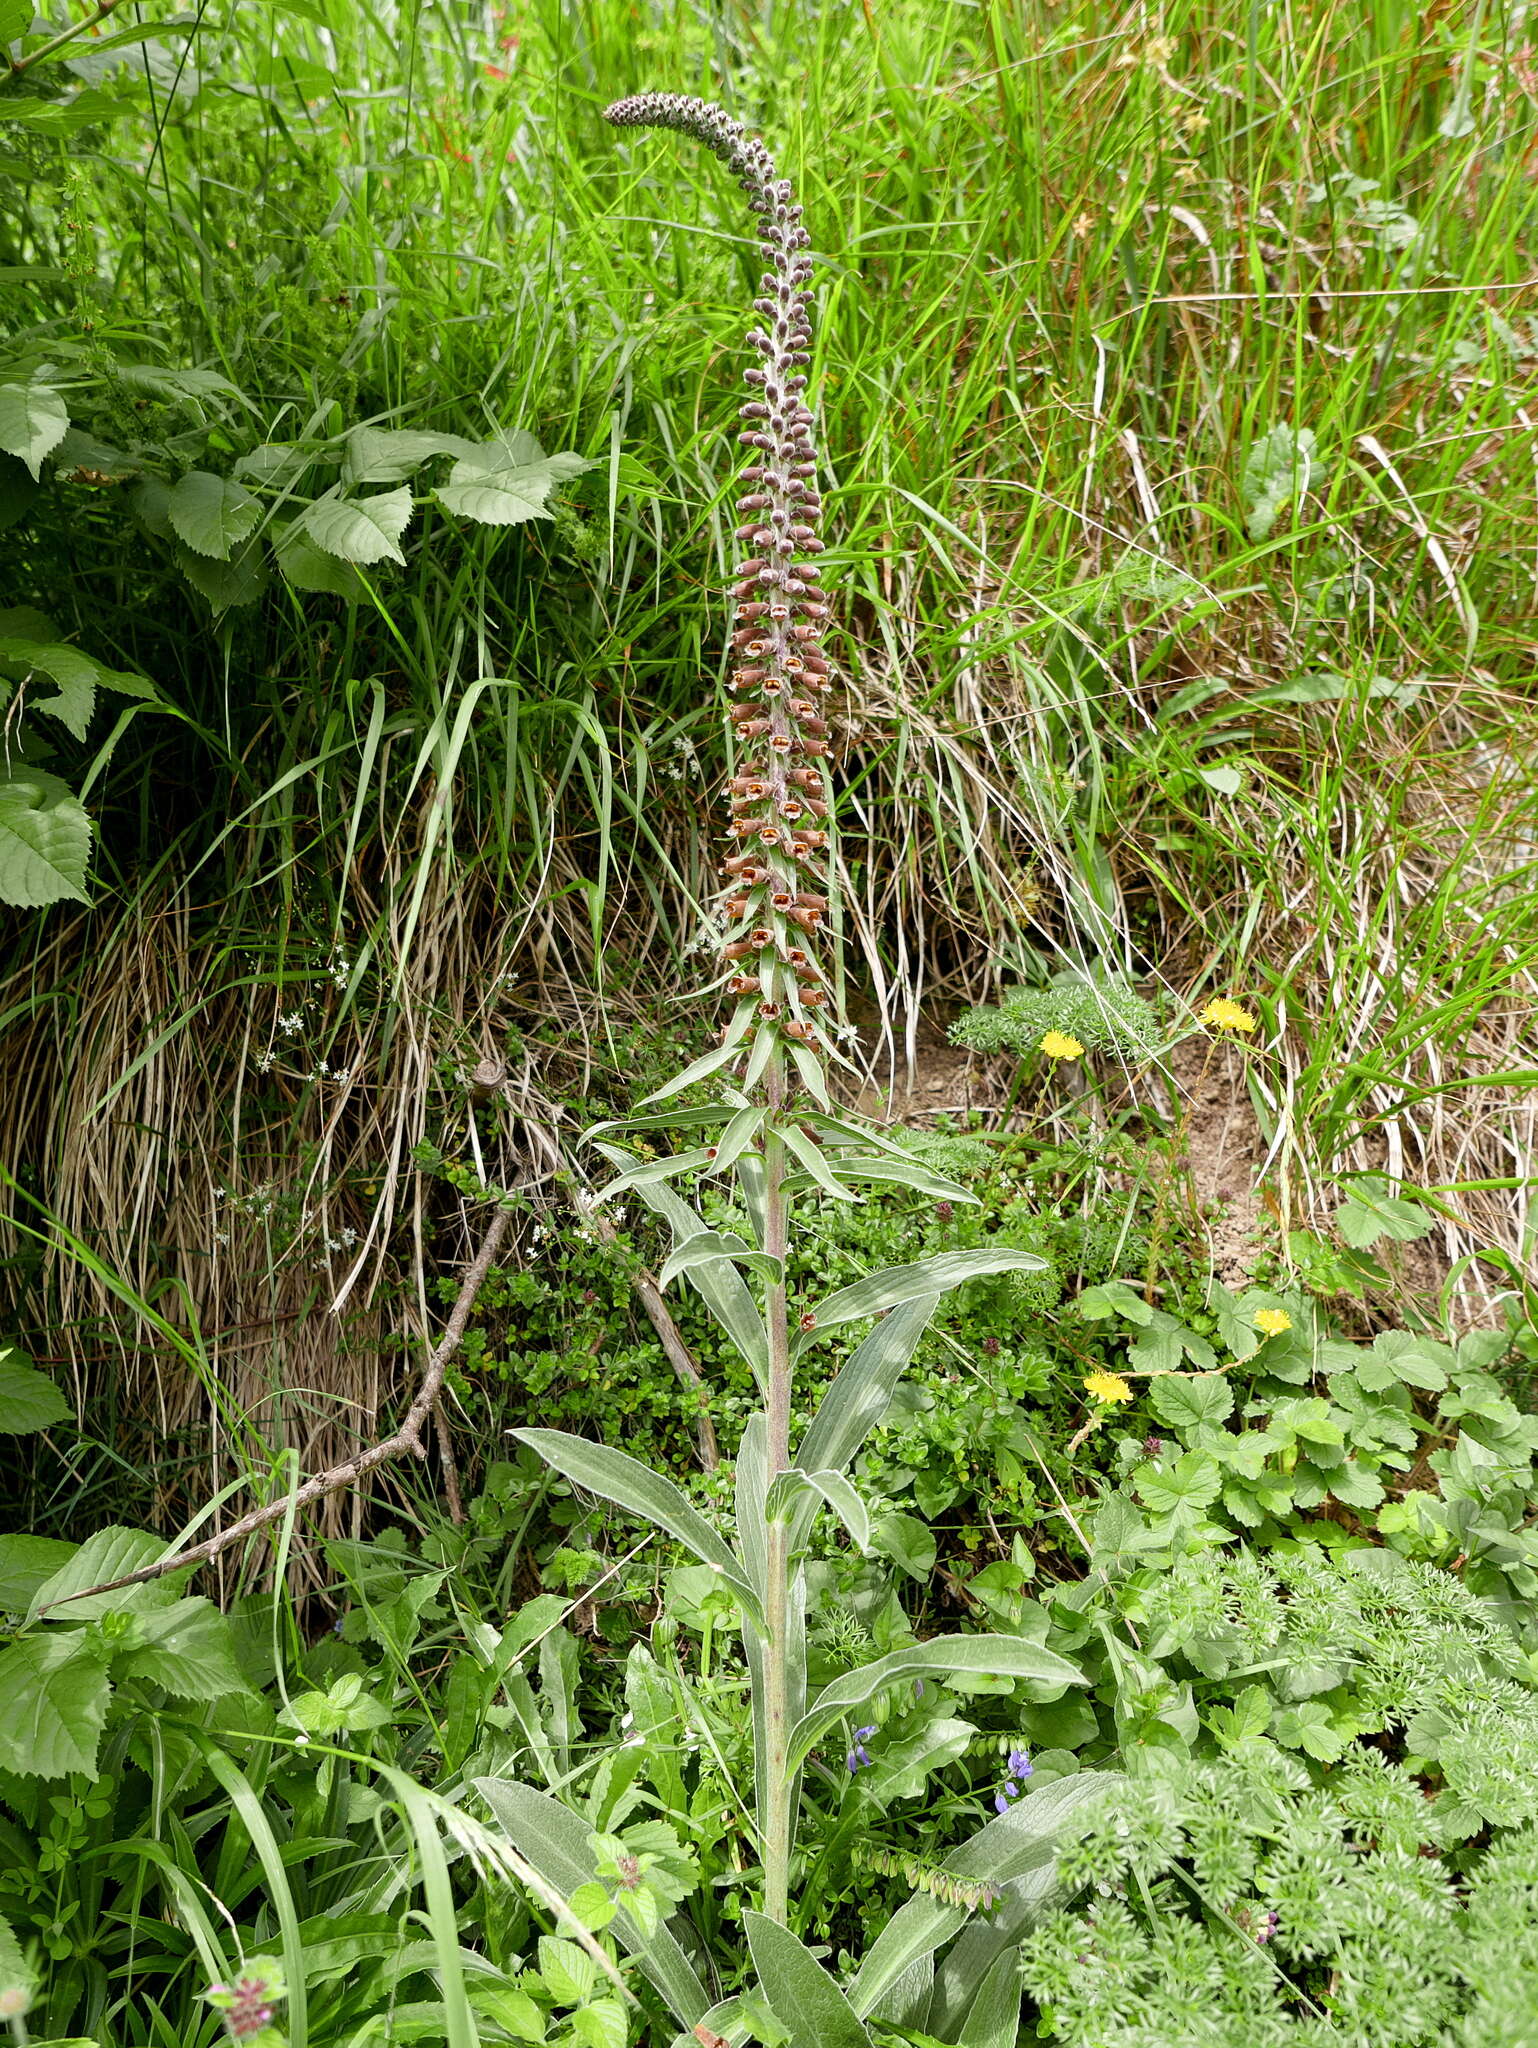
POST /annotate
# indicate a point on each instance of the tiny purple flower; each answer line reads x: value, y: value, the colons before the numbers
x: 859, y: 1757
x: 1020, y: 1765
x: 1000, y: 1803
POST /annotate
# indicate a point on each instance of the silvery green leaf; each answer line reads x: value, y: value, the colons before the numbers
x: 723, y: 1291
x: 907, y: 1173
x: 800, y: 1991
x: 833, y: 1489
x: 994, y: 2018
x: 894, y: 1284
x: 655, y: 1169
x: 557, y: 1843
x: 858, y: 1397
x: 739, y: 1134
x: 810, y: 1069
x: 997, y: 1656
x: 817, y: 1170
x: 710, y: 1247
x: 617, y: 1477
x: 697, y: 1070
x: 1018, y: 1851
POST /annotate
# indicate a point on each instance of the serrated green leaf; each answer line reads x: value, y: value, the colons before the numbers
x: 360, y: 530
x: 74, y: 673
x: 569, y: 1972
x: 45, y: 839
x: 212, y: 514
x: 1370, y: 1211
x: 917, y: 1282
x: 504, y: 483
x: 53, y: 1706
x: 33, y: 416
x: 601, y: 2023
x: 1183, y: 1403
x: 188, y: 1650
x: 29, y: 1399
x: 112, y: 1553
x: 388, y: 455
x: 307, y: 567
x: 226, y: 585
x: 26, y: 1562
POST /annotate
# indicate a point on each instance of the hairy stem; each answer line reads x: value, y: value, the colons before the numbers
x: 776, y: 1705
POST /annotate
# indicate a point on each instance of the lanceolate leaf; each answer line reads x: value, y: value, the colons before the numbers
x: 1019, y: 1849
x: 833, y: 1489
x: 711, y: 1247
x: 800, y: 1992
x: 655, y: 1169
x: 723, y: 1291
x: 641, y: 1491
x: 45, y: 839
x: 906, y: 1173
x: 924, y: 1277
x: 999, y: 1656
x: 859, y: 1395
x: 555, y: 1841
x: 994, y: 2020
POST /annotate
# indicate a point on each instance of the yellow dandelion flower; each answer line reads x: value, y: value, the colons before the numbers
x: 1057, y: 1045
x: 1226, y: 1016
x: 1272, y: 1321
x: 1107, y: 1386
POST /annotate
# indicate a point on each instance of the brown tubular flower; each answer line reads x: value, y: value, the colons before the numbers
x: 780, y: 602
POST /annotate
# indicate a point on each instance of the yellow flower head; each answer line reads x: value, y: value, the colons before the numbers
x: 1107, y: 1386
x: 1227, y: 1016
x: 1272, y: 1321
x: 1057, y: 1045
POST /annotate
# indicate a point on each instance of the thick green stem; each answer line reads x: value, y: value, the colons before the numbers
x: 778, y: 1776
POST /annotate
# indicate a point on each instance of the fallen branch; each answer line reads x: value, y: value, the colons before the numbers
x: 408, y: 1438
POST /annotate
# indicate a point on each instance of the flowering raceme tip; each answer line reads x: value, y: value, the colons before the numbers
x: 775, y: 899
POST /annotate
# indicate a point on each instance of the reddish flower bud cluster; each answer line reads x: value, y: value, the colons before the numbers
x: 776, y: 888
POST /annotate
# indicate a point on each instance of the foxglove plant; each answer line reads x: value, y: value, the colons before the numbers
x: 774, y: 1135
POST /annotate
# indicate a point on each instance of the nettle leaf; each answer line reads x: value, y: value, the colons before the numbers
x: 45, y: 839
x: 1240, y: 1335
x: 1194, y: 1481
x: 25, y: 1563
x: 212, y: 514
x: 1371, y: 1211
x: 226, y: 585
x: 358, y: 529
x: 112, y: 1553
x: 388, y: 455
x: 53, y: 1705
x: 29, y: 1400
x: 1183, y: 1403
x: 33, y: 417
x: 186, y: 1648
x: 307, y: 567
x: 503, y: 483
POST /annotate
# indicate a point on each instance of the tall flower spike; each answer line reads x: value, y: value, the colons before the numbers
x: 776, y: 898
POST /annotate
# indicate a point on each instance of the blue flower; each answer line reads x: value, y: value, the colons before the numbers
x: 859, y: 1756
x: 1019, y: 1764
